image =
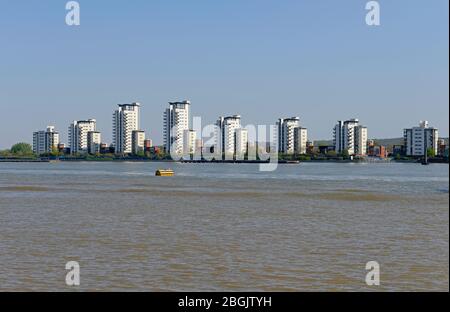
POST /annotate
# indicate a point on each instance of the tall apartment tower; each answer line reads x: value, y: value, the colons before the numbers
x: 176, y: 121
x: 286, y: 128
x: 125, y: 121
x: 45, y: 141
x: 226, y: 136
x: 78, y: 135
x: 419, y: 139
x: 350, y: 136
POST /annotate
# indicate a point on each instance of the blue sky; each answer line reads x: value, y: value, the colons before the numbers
x: 316, y: 59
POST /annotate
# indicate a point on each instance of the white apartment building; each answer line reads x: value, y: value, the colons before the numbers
x: 94, y: 142
x: 361, y: 140
x: 300, y: 140
x: 189, y: 143
x: 419, y: 139
x: 176, y: 121
x: 137, y: 141
x: 241, y: 143
x: 286, y: 128
x: 78, y: 135
x: 350, y: 136
x: 125, y: 121
x: 226, y: 136
x: 45, y: 141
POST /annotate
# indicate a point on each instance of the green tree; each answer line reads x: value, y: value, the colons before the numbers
x: 345, y: 154
x: 430, y: 152
x: 22, y: 149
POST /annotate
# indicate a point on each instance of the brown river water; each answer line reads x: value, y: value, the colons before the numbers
x: 224, y: 227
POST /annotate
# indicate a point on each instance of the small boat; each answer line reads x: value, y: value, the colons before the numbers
x: 164, y: 173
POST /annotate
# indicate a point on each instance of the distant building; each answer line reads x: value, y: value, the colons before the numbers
x: 300, y: 140
x: 148, y: 144
x: 104, y: 148
x: 377, y: 151
x: 45, y: 141
x: 241, y: 143
x: 286, y: 128
x: 226, y: 136
x: 398, y: 150
x: 137, y: 141
x: 325, y: 149
x: 78, y: 135
x: 125, y: 121
x: 309, y: 147
x: 442, y: 148
x: 94, y: 141
x: 61, y: 148
x: 176, y: 121
x: 419, y: 139
x: 350, y: 136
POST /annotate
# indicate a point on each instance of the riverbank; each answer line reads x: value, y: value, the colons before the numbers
x: 281, y: 161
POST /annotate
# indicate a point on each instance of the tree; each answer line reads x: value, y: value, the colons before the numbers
x: 430, y: 152
x: 22, y: 149
x: 345, y: 154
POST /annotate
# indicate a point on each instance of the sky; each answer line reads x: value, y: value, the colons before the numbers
x: 316, y: 59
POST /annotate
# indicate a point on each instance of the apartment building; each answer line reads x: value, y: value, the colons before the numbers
x: 78, y: 135
x: 137, y: 141
x: 125, y: 121
x: 350, y: 136
x: 241, y: 143
x: 94, y: 142
x: 300, y: 140
x: 176, y: 121
x: 226, y: 135
x: 418, y: 140
x: 189, y: 143
x: 45, y: 141
x: 286, y: 128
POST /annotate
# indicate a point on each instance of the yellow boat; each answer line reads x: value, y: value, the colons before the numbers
x: 164, y: 173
